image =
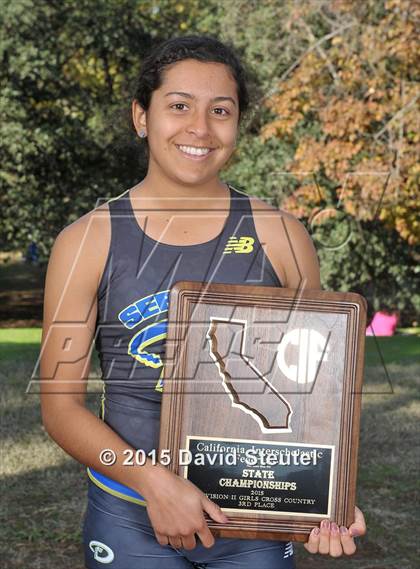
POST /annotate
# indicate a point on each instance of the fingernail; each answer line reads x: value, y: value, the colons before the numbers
x: 315, y: 531
x: 354, y: 533
x: 334, y: 528
x: 325, y: 524
x: 343, y: 530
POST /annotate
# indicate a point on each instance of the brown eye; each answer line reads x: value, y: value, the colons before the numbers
x: 221, y: 109
x: 178, y: 105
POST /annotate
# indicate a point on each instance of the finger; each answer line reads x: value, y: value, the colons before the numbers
x: 358, y: 514
x: 188, y: 541
x: 313, y: 542
x: 175, y: 541
x: 335, y: 542
x: 324, y: 538
x: 162, y: 539
x: 347, y: 542
x: 214, y: 511
x: 359, y: 526
x: 205, y: 535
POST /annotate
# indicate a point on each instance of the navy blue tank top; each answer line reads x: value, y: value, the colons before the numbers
x: 133, y: 297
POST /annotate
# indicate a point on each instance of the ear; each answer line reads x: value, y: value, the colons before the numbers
x: 139, y: 116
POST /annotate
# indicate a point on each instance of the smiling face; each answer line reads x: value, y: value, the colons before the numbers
x: 191, y: 123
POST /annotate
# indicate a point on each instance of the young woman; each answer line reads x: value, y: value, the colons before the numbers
x: 108, y: 278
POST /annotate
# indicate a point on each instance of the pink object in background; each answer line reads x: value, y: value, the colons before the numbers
x: 383, y: 324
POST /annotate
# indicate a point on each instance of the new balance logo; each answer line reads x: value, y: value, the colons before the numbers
x: 241, y: 245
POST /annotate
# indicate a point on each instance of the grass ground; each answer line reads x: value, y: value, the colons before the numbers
x: 43, y: 490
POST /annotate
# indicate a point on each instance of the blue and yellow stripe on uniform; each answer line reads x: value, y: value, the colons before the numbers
x: 115, y: 488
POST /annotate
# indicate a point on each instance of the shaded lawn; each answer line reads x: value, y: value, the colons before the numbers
x: 44, y: 489
x: 393, y: 349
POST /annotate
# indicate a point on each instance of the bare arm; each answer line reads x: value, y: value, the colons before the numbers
x: 175, y: 505
x: 288, y: 245
x: 70, y: 311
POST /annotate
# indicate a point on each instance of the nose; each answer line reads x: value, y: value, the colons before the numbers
x: 199, y: 123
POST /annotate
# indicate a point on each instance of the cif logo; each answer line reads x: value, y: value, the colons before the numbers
x: 241, y: 245
x: 312, y: 350
x: 101, y: 552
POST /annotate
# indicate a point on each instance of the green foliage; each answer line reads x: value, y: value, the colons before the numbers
x: 365, y: 257
x: 257, y: 168
x: 67, y: 77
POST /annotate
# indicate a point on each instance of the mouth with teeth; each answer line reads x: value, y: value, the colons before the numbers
x: 194, y: 152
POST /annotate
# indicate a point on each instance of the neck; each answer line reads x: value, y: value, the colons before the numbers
x: 179, y: 196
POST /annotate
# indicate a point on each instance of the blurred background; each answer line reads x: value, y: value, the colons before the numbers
x: 332, y: 136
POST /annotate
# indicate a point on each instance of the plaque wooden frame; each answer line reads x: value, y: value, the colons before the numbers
x: 181, y: 406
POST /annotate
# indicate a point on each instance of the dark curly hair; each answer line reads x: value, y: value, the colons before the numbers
x: 200, y: 47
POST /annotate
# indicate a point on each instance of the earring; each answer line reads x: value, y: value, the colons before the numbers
x: 142, y: 133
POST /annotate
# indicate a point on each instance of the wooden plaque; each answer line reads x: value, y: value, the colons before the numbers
x: 261, y: 403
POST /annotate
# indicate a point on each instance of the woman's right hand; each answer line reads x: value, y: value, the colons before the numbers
x: 175, y: 507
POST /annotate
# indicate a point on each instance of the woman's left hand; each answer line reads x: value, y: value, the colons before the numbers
x: 333, y: 540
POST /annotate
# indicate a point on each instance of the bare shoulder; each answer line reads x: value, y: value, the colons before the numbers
x: 287, y: 244
x: 91, y: 223
x: 85, y: 242
x: 74, y: 269
x: 266, y: 215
